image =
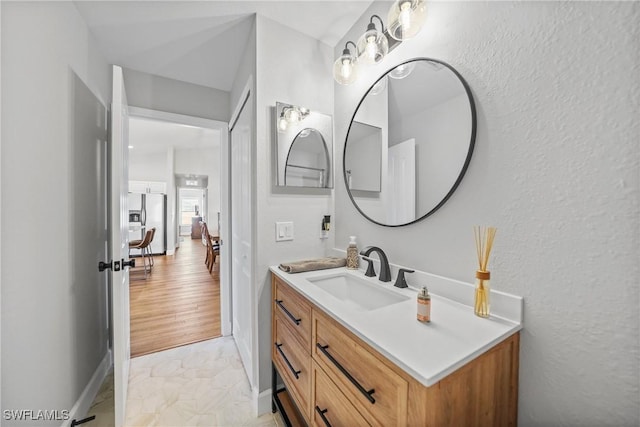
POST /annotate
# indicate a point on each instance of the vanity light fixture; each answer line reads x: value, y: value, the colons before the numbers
x: 345, y: 69
x: 291, y: 114
x: 373, y: 45
x: 405, y: 18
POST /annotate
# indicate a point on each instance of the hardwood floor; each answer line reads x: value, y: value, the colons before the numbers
x: 177, y: 304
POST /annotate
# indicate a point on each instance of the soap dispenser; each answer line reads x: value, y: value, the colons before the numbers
x: 352, y: 254
x: 424, y: 305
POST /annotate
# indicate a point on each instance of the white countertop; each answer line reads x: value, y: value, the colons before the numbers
x: 426, y: 351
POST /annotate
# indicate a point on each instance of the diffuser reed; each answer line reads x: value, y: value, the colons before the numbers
x: 484, y: 242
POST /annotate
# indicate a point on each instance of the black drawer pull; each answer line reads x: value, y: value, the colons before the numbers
x: 321, y: 413
x: 295, y: 373
x: 291, y: 316
x: 346, y: 373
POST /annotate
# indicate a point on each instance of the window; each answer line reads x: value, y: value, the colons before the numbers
x: 189, y: 206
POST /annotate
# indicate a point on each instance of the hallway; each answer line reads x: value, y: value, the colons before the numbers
x: 177, y: 304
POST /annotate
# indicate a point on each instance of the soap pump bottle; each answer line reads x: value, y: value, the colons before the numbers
x: 352, y: 254
x: 424, y: 305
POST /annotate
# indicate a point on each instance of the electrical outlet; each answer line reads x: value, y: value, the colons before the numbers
x: 284, y: 231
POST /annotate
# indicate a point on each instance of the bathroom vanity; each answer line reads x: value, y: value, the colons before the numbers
x: 350, y: 352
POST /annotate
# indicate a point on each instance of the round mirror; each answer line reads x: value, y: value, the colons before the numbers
x: 308, y: 161
x: 409, y: 142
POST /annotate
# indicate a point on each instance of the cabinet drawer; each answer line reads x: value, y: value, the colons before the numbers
x: 331, y: 407
x: 375, y: 389
x: 293, y: 363
x: 295, y: 310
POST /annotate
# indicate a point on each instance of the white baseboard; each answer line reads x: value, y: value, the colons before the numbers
x: 90, y: 392
x: 171, y: 252
x: 262, y: 402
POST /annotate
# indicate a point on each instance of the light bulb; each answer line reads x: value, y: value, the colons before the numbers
x: 405, y: 16
x: 346, y: 69
x: 371, y: 47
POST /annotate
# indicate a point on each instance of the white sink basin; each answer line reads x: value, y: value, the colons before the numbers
x: 358, y: 293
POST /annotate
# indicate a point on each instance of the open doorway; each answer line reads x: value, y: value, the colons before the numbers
x: 174, y: 298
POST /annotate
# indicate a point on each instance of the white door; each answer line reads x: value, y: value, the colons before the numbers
x: 120, y: 244
x: 241, y: 232
x: 401, y: 207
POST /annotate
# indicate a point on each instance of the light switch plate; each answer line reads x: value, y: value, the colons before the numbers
x: 284, y: 231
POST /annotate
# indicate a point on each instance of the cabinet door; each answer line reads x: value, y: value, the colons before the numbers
x: 157, y: 187
x: 137, y: 187
x: 375, y: 389
x: 293, y: 363
x: 330, y: 406
x: 295, y: 310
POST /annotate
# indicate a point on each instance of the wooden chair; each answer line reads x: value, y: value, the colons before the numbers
x: 213, y: 249
x: 143, y: 245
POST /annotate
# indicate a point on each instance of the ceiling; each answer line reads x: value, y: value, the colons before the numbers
x: 202, y: 42
x: 148, y: 136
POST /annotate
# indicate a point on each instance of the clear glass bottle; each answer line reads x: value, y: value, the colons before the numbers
x: 424, y: 305
x: 482, y: 306
x: 352, y: 254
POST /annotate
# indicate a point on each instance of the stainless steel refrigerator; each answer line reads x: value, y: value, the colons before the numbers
x: 147, y: 210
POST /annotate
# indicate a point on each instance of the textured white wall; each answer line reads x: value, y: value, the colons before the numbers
x: 51, y: 342
x: 556, y: 170
x: 303, y: 78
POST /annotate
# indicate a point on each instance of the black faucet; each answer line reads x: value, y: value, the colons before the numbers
x: 385, y: 274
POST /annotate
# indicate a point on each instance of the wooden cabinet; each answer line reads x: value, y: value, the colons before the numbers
x: 343, y: 381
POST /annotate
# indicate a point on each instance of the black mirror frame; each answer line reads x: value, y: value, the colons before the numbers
x: 472, y: 143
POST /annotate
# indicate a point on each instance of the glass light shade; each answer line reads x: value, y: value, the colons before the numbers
x: 292, y: 114
x: 402, y: 70
x: 379, y: 87
x: 372, y: 46
x: 282, y: 123
x: 345, y: 69
x: 405, y: 18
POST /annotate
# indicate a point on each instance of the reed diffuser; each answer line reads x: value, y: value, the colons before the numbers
x: 484, y: 242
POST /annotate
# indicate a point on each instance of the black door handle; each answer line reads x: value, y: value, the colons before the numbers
x: 364, y: 391
x: 102, y: 266
x: 321, y: 412
x: 131, y: 263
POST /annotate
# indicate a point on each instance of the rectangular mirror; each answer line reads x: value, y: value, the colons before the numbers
x: 304, y: 147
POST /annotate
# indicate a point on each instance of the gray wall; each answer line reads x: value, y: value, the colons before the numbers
x: 555, y: 169
x: 174, y: 96
x: 53, y: 302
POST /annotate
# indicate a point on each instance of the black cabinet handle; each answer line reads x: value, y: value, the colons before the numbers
x: 291, y: 316
x: 321, y: 412
x: 346, y: 373
x: 295, y: 373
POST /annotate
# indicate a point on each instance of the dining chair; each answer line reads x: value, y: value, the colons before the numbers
x: 143, y: 245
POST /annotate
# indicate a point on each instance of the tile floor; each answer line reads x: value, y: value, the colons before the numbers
x: 202, y: 384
